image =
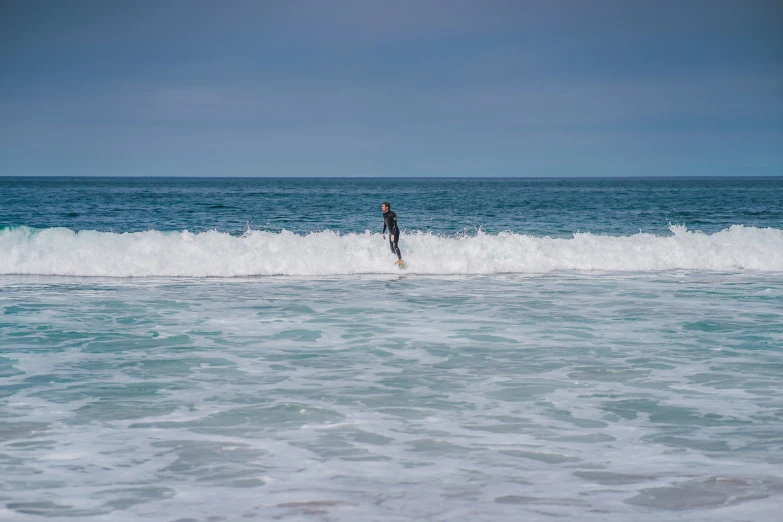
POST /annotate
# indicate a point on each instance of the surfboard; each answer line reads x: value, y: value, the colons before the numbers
x: 400, y: 264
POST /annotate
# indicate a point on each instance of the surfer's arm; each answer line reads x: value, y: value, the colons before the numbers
x: 384, y: 228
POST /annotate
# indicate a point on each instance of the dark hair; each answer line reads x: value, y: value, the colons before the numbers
x: 386, y: 204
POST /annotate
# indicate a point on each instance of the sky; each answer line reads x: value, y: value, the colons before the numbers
x: 391, y: 89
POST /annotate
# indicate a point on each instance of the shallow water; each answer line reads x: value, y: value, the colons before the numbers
x: 591, y: 396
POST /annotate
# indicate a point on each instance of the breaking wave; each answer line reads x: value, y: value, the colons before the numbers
x: 60, y: 251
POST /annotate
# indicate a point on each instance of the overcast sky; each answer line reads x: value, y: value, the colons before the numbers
x: 391, y: 88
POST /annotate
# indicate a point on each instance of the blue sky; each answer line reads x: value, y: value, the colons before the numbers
x: 405, y: 88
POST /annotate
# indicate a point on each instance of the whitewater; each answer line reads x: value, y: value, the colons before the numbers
x: 63, y: 252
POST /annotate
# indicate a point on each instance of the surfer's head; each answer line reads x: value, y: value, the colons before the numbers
x: 385, y: 206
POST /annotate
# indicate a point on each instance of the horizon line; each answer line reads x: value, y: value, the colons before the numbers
x: 153, y: 176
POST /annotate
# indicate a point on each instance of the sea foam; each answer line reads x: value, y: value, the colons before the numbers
x: 60, y: 251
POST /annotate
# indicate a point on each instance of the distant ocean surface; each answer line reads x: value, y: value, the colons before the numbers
x: 213, y: 350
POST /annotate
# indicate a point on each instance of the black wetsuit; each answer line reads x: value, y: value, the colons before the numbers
x: 390, y: 222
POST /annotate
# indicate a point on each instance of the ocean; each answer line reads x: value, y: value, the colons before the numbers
x: 192, y: 349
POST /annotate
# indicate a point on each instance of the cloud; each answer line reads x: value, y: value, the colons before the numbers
x: 418, y: 87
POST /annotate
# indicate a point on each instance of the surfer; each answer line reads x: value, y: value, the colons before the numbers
x: 390, y: 222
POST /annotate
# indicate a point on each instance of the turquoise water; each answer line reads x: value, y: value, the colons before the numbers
x: 608, y: 365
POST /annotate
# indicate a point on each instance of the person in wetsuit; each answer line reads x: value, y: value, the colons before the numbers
x: 390, y: 222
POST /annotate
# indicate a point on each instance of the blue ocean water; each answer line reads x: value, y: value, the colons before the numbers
x: 554, y: 207
x: 230, y: 349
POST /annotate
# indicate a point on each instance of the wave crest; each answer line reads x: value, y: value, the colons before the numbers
x: 60, y: 251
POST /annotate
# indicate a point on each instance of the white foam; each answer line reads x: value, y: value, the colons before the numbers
x: 60, y: 251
